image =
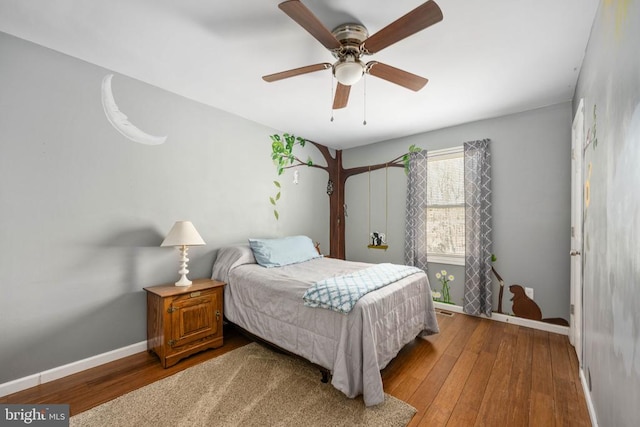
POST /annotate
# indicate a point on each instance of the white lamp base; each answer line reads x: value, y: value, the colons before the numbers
x: 183, y: 281
x: 183, y: 267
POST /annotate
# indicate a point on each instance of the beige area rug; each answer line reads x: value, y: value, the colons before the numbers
x: 249, y: 386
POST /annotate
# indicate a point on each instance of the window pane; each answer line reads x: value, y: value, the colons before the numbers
x: 445, y: 211
x: 445, y: 230
x: 445, y: 181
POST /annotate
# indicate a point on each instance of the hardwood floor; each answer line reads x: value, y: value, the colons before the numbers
x: 476, y: 372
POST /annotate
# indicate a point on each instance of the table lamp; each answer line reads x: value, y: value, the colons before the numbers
x: 182, y: 235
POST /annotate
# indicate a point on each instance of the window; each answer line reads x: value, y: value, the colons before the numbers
x: 445, y: 207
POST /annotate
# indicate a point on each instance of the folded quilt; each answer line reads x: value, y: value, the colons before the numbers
x: 341, y: 293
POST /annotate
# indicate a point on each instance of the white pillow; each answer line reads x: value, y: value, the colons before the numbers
x: 230, y: 257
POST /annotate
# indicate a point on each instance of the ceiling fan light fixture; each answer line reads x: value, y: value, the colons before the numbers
x: 348, y: 71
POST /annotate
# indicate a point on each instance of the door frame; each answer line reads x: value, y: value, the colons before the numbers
x: 577, y: 201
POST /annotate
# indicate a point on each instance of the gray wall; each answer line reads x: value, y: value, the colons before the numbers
x: 609, y: 83
x: 84, y: 209
x: 531, y: 201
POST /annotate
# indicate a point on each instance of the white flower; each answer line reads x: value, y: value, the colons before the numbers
x: 438, y: 275
x: 436, y: 294
x: 443, y: 272
x: 451, y: 277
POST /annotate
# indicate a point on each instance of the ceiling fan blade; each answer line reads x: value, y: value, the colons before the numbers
x: 342, y: 96
x: 307, y: 20
x: 396, y: 75
x: 296, y: 72
x: 418, y: 19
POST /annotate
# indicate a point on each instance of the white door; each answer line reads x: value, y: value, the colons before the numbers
x: 577, y: 144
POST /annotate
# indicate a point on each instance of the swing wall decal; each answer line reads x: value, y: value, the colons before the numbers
x: 379, y: 240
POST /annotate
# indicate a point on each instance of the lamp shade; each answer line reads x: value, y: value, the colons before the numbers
x: 183, y: 233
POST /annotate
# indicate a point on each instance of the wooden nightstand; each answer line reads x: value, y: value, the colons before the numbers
x: 183, y: 320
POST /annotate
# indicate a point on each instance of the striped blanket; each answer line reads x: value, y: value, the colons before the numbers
x: 341, y: 293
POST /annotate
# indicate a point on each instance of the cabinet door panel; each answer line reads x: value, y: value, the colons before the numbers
x: 193, y: 318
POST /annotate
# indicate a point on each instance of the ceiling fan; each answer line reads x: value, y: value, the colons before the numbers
x: 348, y: 43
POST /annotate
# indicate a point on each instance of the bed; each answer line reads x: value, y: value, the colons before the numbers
x: 267, y: 301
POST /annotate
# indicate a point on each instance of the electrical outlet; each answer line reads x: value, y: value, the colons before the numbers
x: 529, y: 292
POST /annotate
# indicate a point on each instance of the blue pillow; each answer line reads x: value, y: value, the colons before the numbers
x: 283, y: 251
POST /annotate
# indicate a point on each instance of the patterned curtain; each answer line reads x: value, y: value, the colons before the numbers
x: 477, y: 188
x: 415, y: 245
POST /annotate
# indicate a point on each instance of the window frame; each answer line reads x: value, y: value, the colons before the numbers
x: 444, y: 154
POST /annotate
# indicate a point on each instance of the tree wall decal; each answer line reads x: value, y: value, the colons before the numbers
x: 282, y: 148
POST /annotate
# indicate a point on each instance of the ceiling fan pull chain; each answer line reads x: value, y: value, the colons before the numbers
x: 331, y: 99
x: 364, y: 81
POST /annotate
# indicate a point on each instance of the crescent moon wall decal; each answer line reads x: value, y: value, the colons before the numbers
x: 120, y: 121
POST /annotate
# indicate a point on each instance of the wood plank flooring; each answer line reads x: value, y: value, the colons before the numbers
x: 479, y: 372
x: 476, y: 372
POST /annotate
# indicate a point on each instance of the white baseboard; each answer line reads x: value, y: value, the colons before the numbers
x: 70, y: 368
x: 543, y: 326
x: 587, y: 396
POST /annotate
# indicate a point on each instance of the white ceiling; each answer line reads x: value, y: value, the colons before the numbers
x: 484, y: 59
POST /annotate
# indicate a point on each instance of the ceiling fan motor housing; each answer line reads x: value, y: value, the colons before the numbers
x: 351, y: 37
x: 349, y: 69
